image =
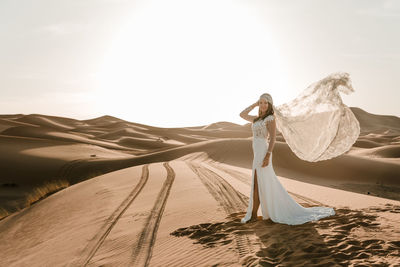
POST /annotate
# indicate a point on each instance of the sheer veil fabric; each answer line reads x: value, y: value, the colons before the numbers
x: 317, y: 126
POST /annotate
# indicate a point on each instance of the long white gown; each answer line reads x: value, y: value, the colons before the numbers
x: 275, y: 202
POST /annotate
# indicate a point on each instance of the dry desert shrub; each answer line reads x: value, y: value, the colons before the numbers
x: 45, y: 190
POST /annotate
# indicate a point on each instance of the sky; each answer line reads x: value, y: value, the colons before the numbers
x: 184, y: 63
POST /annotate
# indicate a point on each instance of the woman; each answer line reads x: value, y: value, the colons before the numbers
x: 318, y: 107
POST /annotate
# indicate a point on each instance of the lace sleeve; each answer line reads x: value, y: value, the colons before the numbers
x: 317, y: 125
x: 269, y: 118
x: 271, y: 127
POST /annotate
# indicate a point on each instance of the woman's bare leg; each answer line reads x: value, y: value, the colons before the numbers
x: 256, y: 200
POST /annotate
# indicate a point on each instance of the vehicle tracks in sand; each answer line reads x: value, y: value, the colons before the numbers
x: 231, y: 200
x: 142, y: 249
x: 92, y: 247
x: 65, y: 171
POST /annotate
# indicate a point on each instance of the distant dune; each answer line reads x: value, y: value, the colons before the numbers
x: 371, y: 123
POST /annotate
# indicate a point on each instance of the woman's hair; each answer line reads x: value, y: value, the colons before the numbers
x: 270, y: 111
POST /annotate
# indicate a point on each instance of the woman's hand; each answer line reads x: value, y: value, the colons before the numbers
x: 266, y: 160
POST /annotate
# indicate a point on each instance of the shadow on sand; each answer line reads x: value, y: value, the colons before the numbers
x: 332, y: 241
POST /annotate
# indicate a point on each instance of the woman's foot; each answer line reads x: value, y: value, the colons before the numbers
x: 253, y: 218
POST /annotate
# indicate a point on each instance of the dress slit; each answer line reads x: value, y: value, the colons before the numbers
x: 258, y: 190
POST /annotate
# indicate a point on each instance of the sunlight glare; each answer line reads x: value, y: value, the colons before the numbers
x: 172, y: 51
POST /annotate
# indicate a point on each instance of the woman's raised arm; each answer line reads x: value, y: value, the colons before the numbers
x: 245, y: 113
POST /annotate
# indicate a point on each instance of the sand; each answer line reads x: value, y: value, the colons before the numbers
x: 107, y: 192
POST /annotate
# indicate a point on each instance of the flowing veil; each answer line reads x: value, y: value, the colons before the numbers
x: 316, y: 124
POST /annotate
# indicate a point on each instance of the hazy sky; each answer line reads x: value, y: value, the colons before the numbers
x: 188, y: 63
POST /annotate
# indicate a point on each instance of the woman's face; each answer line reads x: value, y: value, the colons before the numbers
x: 263, y: 104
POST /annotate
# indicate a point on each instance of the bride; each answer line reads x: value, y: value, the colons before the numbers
x: 316, y: 126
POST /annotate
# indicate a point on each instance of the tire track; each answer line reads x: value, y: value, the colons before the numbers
x: 143, y: 248
x: 91, y: 248
x: 67, y: 168
x: 231, y: 200
x: 244, y: 178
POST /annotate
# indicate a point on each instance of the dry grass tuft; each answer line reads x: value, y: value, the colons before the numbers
x: 45, y: 190
x: 3, y: 213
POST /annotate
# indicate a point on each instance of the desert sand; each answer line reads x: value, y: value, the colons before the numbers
x: 108, y: 192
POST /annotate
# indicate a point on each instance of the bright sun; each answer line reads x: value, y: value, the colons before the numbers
x: 171, y: 51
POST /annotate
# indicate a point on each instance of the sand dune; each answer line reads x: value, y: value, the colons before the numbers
x: 127, y: 132
x: 389, y: 151
x: 111, y: 192
x: 365, y: 143
x: 376, y: 123
x: 6, y: 123
x: 48, y: 121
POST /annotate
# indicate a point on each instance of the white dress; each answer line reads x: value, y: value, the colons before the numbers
x: 275, y: 202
